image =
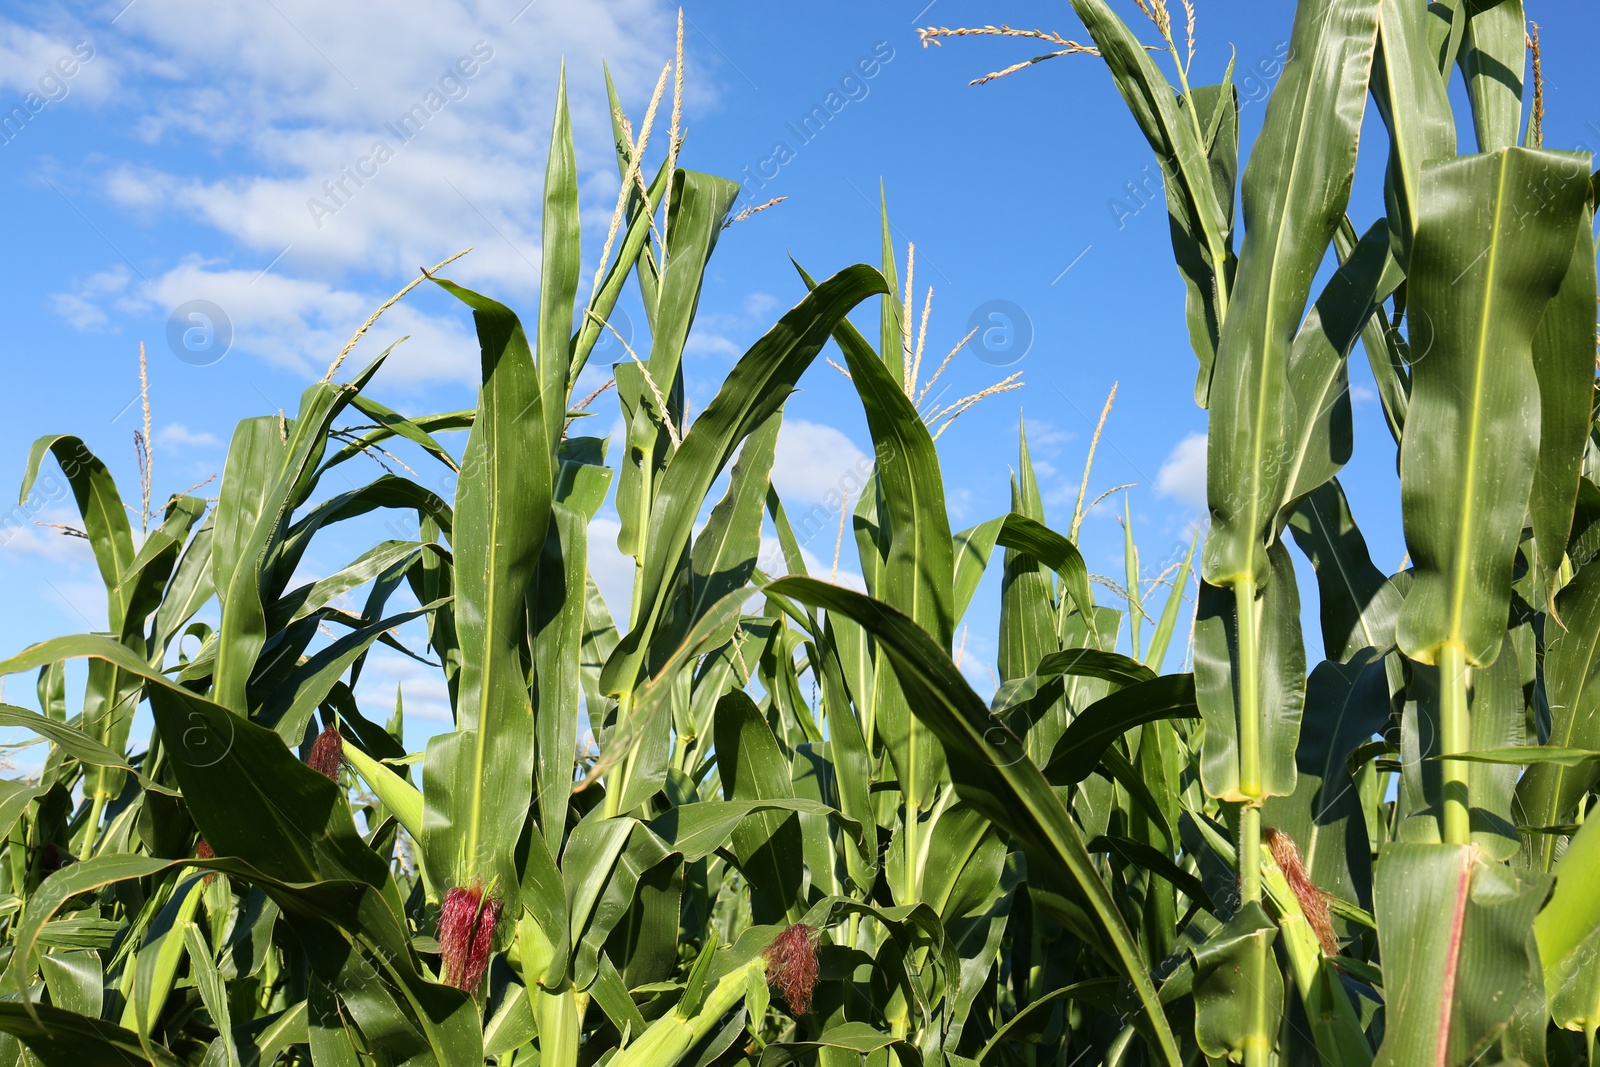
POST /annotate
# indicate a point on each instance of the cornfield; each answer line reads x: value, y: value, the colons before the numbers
x: 1381, y: 858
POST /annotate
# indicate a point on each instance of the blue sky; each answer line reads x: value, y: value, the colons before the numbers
x: 188, y: 155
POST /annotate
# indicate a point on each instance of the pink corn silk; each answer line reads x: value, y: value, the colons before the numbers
x: 792, y: 966
x: 327, y: 753
x: 466, y: 934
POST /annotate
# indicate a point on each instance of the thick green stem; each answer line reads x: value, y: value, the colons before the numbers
x: 617, y: 783
x: 92, y: 827
x: 1250, y: 853
x: 1454, y: 737
x: 1258, y: 1043
x: 1249, y: 689
x: 1244, y: 599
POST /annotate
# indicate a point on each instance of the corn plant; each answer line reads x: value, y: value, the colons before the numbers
x: 1104, y: 863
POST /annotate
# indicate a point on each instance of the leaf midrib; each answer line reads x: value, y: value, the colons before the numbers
x: 1461, y: 564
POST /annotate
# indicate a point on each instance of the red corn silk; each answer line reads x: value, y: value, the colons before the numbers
x: 202, y: 850
x: 327, y: 753
x: 466, y: 934
x: 792, y: 966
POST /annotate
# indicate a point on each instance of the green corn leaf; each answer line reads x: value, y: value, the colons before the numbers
x: 1549, y: 793
x: 1493, y: 58
x: 1295, y: 188
x: 1156, y: 654
x: 756, y: 388
x: 1568, y: 935
x: 1453, y: 931
x: 1346, y: 703
x: 1231, y: 1014
x: 560, y: 264
x: 555, y: 613
x: 256, y: 521
x: 1281, y: 679
x: 991, y: 771
x: 100, y: 506
x: 1358, y: 604
x: 1493, y: 242
x: 418, y: 431
x: 1199, y: 214
x: 1563, y: 363
x: 1060, y: 555
x: 768, y: 845
x: 1103, y: 722
x: 1410, y: 95
x: 700, y: 205
x: 484, y: 769
x: 1321, y: 438
x: 61, y: 1038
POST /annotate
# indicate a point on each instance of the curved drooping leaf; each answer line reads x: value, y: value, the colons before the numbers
x: 991, y: 771
x: 918, y: 569
x: 757, y: 387
x: 1101, y: 723
x: 1494, y: 240
x: 1201, y: 213
x: 73, y: 741
x: 61, y: 1038
x: 253, y: 510
x: 1358, y: 604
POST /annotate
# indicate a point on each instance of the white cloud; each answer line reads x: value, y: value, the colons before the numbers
x: 423, y: 691
x: 1183, y: 474
x: 51, y: 64
x: 1361, y: 393
x: 817, y: 464
x: 263, y: 114
x: 83, y: 309
x: 301, y: 94
x: 22, y: 533
x: 757, y: 305
x: 296, y: 323
x: 181, y: 436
